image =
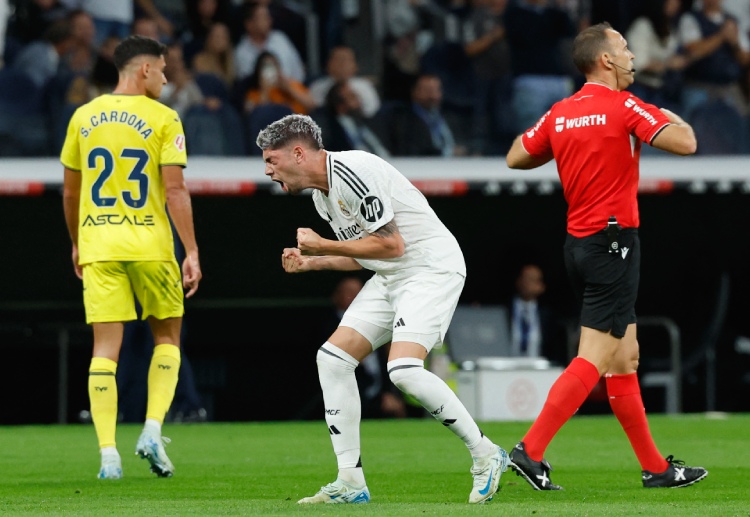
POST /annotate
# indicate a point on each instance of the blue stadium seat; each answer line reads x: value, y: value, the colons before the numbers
x: 24, y: 127
x: 258, y: 119
x: 212, y: 85
x: 13, y: 47
x: 58, y: 108
x: 214, y: 132
x: 18, y: 93
x: 719, y: 129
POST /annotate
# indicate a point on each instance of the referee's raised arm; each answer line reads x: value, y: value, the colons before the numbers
x: 677, y: 138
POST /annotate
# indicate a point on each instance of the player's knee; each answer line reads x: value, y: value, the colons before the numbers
x: 402, y: 372
x: 331, y: 357
x: 623, y: 365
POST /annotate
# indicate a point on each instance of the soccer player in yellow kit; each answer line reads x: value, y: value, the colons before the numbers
x: 123, y: 156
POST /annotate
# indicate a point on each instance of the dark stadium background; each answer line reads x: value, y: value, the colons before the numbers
x: 253, y: 330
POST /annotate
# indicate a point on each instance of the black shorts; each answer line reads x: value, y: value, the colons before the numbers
x: 606, y: 284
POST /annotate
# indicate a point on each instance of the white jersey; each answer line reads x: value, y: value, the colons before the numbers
x: 365, y: 193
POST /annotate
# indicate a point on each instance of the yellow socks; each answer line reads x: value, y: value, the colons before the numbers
x: 103, y: 398
x: 162, y: 380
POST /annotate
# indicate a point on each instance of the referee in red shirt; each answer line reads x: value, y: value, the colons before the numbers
x: 595, y: 136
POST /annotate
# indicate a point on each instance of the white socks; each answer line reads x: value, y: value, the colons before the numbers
x: 343, y: 410
x: 153, y: 426
x: 109, y: 452
x: 410, y: 376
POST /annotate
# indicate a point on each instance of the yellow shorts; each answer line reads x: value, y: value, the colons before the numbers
x: 109, y: 289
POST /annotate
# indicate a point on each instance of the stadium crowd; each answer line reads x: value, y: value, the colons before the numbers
x: 456, y: 78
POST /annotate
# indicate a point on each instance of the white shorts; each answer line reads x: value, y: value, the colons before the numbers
x: 417, y: 309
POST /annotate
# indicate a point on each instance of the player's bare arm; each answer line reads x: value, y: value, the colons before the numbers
x: 181, y: 211
x: 71, y: 200
x: 518, y: 158
x: 293, y: 261
x: 386, y: 242
x: 677, y: 138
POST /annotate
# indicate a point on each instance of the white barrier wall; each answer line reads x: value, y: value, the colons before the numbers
x: 435, y: 176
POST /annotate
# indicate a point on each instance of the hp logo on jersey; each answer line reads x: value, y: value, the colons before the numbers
x: 371, y: 209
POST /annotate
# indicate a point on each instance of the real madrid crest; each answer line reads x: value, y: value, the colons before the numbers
x: 344, y: 210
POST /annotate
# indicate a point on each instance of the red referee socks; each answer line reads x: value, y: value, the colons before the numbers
x: 565, y: 397
x: 625, y: 399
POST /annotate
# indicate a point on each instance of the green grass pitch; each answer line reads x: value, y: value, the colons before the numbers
x: 413, y: 467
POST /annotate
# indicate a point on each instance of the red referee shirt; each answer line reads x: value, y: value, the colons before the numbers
x: 595, y: 136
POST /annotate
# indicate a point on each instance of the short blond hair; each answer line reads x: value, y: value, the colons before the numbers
x: 291, y: 128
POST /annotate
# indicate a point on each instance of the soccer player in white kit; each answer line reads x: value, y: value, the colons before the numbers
x: 382, y: 223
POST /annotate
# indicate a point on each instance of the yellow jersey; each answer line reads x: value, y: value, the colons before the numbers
x: 118, y: 143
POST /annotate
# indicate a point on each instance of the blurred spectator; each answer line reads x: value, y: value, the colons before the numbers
x: 343, y: 125
x: 486, y: 45
x: 104, y: 75
x: 202, y: 14
x: 535, y: 329
x: 70, y: 89
x: 259, y: 36
x: 579, y: 11
x: 740, y: 9
x: 170, y: 15
x: 111, y: 17
x: 653, y: 39
x: 144, y: 25
x: 217, y: 56
x: 214, y: 126
x: 24, y: 129
x: 449, y: 62
x: 618, y: 13
x: 342, y: 65
x: 718, y: 52
x: 31, y: 18
x: 81, y: 56
x: 147, y: 26
x: 400, y: 68
x: 330, y: 27
x: 288, y: 18
x: 268, y: 84
x: 41, y: 60
x: 181, y: 91
x: 420, y: 128
x: 4, y: 14
x: 212, y: 123
x: 412, y: 17
x: 536, y: 30
x: 404, y: 45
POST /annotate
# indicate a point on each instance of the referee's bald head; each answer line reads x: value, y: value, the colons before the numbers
x: 589, y: 45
